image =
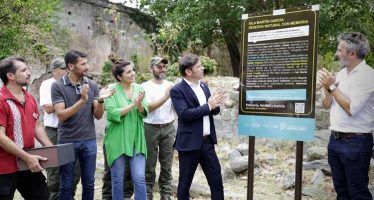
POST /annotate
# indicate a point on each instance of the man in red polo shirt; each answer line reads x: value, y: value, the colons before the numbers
x: 19, y: 125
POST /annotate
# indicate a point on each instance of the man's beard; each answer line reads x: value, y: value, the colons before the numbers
x: 22, y: 83
x: 159, y: 76
x: 342, y: 64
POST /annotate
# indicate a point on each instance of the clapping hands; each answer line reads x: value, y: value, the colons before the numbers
x: 326, y: 78
x: 106, y: 92
x: 137, y: 100
x: 84, y: 92
x: 217, y: 99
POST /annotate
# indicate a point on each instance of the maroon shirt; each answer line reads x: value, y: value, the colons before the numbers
x: 28, y: 115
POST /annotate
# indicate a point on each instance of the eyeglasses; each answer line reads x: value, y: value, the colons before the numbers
x: 78, y: 89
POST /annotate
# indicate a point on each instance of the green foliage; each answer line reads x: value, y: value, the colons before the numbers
x: 140, y: 62
x: 106, y: 76
x: 40, y: 48
x: 166, y: 42
x: 184, y: 24
x: 22, y: 24
x: 342, y: 16
x: 135, y: 59
x: 142, y: 77
x: 7, y: 42
x: 327, y: 61
x: 370, y: 59
x: 210, y: 65
x: 173, y: 71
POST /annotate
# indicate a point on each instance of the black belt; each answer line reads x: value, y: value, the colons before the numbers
x: 205, y: 137
x: 50, y: 128
x: 338, y: 134
x: 159, y: 125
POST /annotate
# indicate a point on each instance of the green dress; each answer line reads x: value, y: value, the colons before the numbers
x: 124, y: 133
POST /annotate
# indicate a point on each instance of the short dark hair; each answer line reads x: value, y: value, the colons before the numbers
x: 187, y: 62
x: 72, y: 56
x: 356, y: 42
x: 118, y: 67
x: 7, y: 65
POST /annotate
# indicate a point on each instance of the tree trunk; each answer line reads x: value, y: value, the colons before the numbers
x: 232, y: 46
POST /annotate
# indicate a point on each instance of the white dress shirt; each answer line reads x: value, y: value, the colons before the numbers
x: 199, y: 92
x: 358, y: 86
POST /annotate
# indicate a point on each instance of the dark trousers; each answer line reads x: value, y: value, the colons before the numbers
x: 160, y: 140
x: 53, y: 173
x: 207, y: 158
x: 107, y: 181
x: 31, y: 186
x: 349, y: 159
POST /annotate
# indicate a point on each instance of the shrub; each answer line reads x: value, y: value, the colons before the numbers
x: 210, y: 65
x: 173, y: 72
x: 143, y: 77
x: 106, y: 76
x: 327, y: 61
x: 135, y: 59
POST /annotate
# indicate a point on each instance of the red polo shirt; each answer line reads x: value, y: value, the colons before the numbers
x: 28, y: 114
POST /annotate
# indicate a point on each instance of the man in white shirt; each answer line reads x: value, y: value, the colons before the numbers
x: 196, y: 134
x: 159, y: 129
x: 350, y: 97
x: 58, y: 69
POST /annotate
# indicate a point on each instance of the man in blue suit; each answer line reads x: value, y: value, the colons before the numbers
x: 196, y: 135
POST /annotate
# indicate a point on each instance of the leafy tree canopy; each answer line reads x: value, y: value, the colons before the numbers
x: 186, y: 23
x: 21, y: 24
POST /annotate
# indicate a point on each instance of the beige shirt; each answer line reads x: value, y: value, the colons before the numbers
x: 165, y: 113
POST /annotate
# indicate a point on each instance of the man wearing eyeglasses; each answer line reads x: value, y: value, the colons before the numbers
x: 76, y: 100
x: 159, y: 129
x: 350, y: 97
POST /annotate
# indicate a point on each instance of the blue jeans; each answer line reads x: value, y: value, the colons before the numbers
x: 349, y: 159
x: 137, y: 167
x: 85, y: 152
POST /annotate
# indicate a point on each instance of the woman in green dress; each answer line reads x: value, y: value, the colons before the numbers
x: 124, y: 137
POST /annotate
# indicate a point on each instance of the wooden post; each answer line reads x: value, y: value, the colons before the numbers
x: 299, y: 170
x: 251, y: 162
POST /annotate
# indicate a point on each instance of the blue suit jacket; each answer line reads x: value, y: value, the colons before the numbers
x: 190, y: 117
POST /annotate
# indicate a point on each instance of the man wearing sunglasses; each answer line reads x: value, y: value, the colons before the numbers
x: 76, y: 100
x: 58, y: 69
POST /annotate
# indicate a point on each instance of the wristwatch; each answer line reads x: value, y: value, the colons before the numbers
x: 102, y: 101
x: 332, y: 87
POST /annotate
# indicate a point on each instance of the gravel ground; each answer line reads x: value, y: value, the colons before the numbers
x: 267, y: 183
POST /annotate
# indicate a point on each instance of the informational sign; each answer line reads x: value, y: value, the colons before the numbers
x: 278, y: 70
